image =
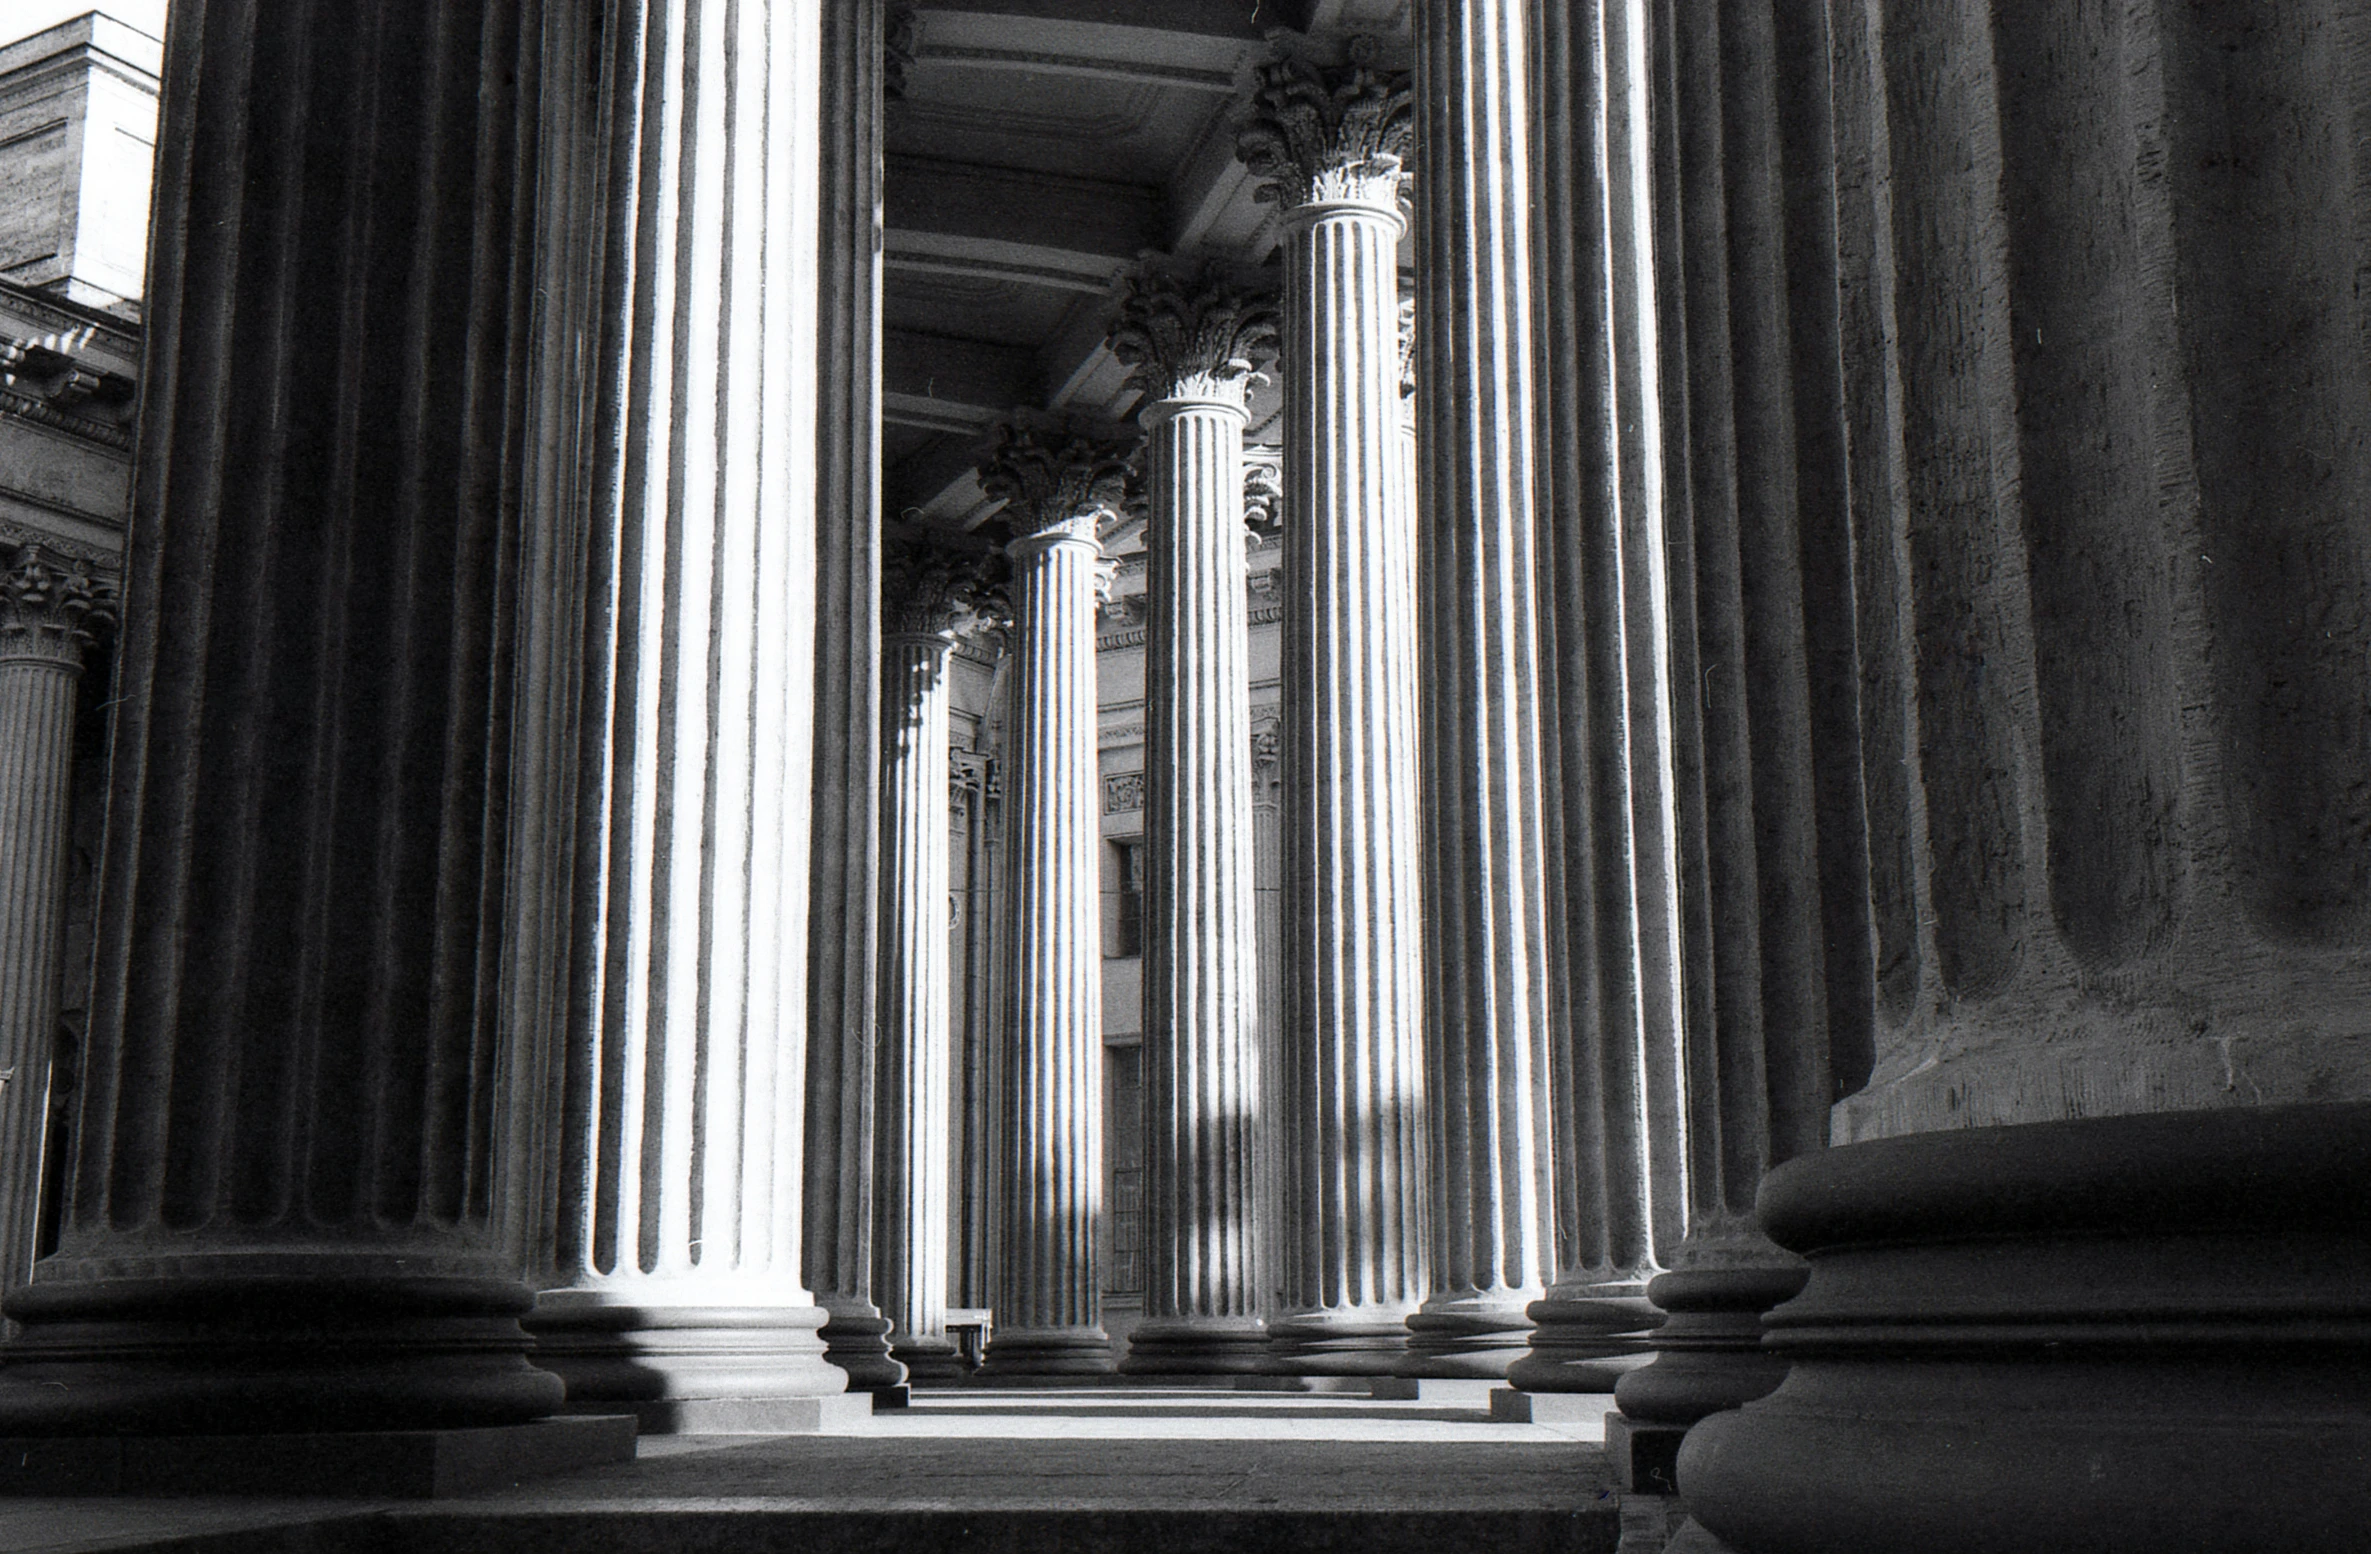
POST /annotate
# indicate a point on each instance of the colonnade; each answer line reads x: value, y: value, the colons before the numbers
x: 1880, y: 729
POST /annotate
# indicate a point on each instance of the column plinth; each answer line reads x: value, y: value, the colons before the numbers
x: 1493, y: 948
x: 1329, y: 140
x: 1194, y: 343
x: 1057, y: 482
x: 674, y: 1278
x: 284, y: 1211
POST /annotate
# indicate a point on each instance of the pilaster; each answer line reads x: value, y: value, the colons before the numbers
x: 1058, y: 482
x: 1194, y: 341
x: 1328, y: 140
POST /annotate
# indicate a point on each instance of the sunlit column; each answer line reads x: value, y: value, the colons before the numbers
x: 931, y: 598
x: 1328, y: 140
x: 1194, y: 342
x: 1057, y: 484
x: 676, y: 1283
x: 1493, y: 946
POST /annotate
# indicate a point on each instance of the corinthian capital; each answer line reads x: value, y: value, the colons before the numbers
x: 929, y: 587
x: 1058, y: 479
x: 1199, y: 335
x: 1321, y: 133
x: 51, y: 608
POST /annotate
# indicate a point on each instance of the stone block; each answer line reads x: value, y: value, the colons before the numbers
x: 355, y: 1465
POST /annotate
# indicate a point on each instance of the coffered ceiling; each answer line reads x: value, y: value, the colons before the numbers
x: 1040, y: 147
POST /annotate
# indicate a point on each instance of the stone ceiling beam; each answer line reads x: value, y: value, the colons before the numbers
x: 945, y: 213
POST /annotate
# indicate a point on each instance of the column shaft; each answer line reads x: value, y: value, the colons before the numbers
x: 844, y: 940
x: 1621, y: 1135
x: 1202, y: 1084
x: 1353, y: 1250
x: 2104, y: 464
x: 46, y: 614
x: 917, y: 1024
x: 1049, y: 1096
x: 282, y: 1213
x: 674, y: 1284
x: 1494, y: 947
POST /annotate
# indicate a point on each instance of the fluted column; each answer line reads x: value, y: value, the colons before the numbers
x: 674, y: 1281
x: 1772, y: 890
x: 1621, y: 1134
x: 2105, y: 442
x: 1328, y: 139
x: 1493, y: 945
x: 930, y: 597
x: 282, y: 1207
x: 1194, y: 343
x: 50, y: 611
x: 844, y: 938
x: 1056, y: 484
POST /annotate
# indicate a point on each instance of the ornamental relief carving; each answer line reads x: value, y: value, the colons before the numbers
x: 1320, y: 133
x: 52, y: 607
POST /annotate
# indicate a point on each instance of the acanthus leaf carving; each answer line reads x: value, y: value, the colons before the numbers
x: 1317, y: 133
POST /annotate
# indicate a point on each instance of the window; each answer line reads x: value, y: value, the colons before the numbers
x: 1128, y: 934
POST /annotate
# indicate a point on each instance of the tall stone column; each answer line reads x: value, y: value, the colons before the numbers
x: 1493, y: 945
x: 2093, y: 1227
x: 1621, y: 1135
x: 1195, y: 342
x: 931, y: 597
x: 674, y: 1281
x: 1774, y: 962
x: 1057, y: 483
x: 282, y: 1209
x: 51, y: 610
x: 843, y: 925
x: 1328, y: 140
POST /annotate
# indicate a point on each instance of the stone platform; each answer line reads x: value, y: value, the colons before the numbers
x: 1150, y: 1471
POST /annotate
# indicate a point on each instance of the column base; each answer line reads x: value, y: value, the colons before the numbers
x: 1047, y: 1351
x: 1467, y: 1337
x: 1586, y: 1339
x: 856, y: 1339
x: 1352, y: 1341
x: 257, y: 1344
x: 355, y: 1465
x: 679, y: 1368
x: 1708, y: 1352
x: 2124, y: 1333
x: 929, y: 1361
x: 1197, y: 1346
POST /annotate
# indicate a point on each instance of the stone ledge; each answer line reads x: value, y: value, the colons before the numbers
x: 836, y: 1411
x: 359, y: 1465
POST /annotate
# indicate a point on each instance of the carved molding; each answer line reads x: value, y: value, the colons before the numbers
x: 1316, y: 133
x: 1123, y: 793
x: 1263, y: 492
